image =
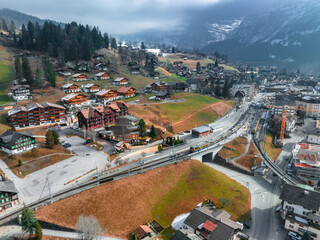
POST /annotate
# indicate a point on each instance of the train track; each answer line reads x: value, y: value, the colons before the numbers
x: 160, y: 162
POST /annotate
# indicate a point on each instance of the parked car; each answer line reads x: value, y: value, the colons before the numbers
x: 245, y: 223
x: 87, y: 142
x: 66, y: 145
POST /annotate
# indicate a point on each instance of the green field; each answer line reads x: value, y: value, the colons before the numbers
x: 174, y: 78
x: 193, y: 102
x: 6, y: 74
x: 214, y: 186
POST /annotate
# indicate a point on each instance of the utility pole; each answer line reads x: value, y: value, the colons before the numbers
x: 47, y: 183
x: 128, y: 160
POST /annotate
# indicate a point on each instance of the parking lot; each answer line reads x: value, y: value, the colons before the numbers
x: 34, y: 186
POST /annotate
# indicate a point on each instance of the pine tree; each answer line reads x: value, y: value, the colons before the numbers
x: 27, y: 71
x: 160, y: 148
x: 39, y: 81
x: 49, y: 139
x: 143, y: 47
x: 217, y: 89
x: 173, y: 50
x: 28, y: 221
x: 55, y: 137
x: 50, y: 74
x: 114, y: 44
x: 142, y: 127
x: 38, y: 230
x: 153, y: 132
x: 106, y: 40
x: 216, y: 63
x: 18, y: 68
x: 198, y: 67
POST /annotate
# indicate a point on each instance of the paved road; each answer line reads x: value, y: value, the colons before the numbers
x: 31, y: 187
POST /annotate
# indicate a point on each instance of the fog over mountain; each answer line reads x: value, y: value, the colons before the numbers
x: 283, y: 32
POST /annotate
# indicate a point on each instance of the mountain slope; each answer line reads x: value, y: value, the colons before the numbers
x: 20, y: 18
x: 285, y: 34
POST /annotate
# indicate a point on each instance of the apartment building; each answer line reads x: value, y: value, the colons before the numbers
x: 37, y: 114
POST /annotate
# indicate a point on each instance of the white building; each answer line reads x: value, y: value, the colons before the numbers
x: 301, y: 210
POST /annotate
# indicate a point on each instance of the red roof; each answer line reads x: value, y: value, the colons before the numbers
x: 303, y: 165
x: 210, y: 226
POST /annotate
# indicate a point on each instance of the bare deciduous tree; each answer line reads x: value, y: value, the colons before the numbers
x: 89, y: 228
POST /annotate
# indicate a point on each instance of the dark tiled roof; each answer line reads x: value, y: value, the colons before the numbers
x: 180, y: 236
x: 156, y: 226
x: 221, y: 232
x: 8, y: 186
x: 300, y: 196
x: 9, y: 138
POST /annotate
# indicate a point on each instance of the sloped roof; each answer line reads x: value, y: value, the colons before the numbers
x: 100, y: 74
x: 8, y: 186
x: 141, y: 231
x: 71, y: 95
x: 301, y: 196
x: 33, y: 106
x: 124, y: 89
x: 103, y: 92
x: 10, y: 137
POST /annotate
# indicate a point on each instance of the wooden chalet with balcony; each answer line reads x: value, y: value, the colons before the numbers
x: 107, y: 95
x: 71, y: 88
x: 126, y: 92
x: 13, y: 142
x: 91, y: 88
x: 99, y: 117
x: 8, y: 195
x: 21, y: 92
x: 159, y: 86
x: 75, y: 99
x: 79, y: 77
x: 102, y: 76
x: 37, y: 114
x: 120, y: 81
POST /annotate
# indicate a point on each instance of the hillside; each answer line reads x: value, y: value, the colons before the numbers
x: 195, y: 110
x: 160, y: 194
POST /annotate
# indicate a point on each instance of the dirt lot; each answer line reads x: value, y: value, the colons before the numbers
x: 248, y: 161
x: 161, y: 194
x: 234, y: 148
x: 37, y: 162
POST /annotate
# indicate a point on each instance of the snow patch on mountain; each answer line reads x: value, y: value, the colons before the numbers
x: 220, y: 30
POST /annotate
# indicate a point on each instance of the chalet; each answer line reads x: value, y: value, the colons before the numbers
x: 79, y: 77
x: 120, y: 81
x: 102, y: 76
x: 98, y: 57
x: 134, y: 69
x: 75, y: 99
x: 107, y: 95
x: 126, y: 92
x: 101, y: 67
x: 8, y: 195
x: 180, y: 87
x: 71, y: 88
x: 163, y: 95
x: 21, y: 92
x: 37, y: 114
x: 83, y: 67
x: 98, y: 117
x: 159, y: 86
x: 91, y: 87
x: 13, y: 142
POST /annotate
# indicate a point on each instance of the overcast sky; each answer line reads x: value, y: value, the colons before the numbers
x: 126, y: 16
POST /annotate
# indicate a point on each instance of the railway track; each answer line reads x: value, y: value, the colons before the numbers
x: 178, y: 157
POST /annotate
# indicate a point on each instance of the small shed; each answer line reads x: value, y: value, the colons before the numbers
x: 201, y: 131
x: 142, y: 231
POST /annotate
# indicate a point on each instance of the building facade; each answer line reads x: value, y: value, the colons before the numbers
x: 126, y: 92
x: 120, y: 81
x: 301, y: 210
x: 106, y: 95
x: 37, y: 114
x: 13, y: 142
x: 8, y: 195
x: 21, y: 92
x: 71, y: 88
x: 75, y: 99
x: 79, y: 77
x: 102, y: 76
x: 98, y: 117
x: 91, y: 87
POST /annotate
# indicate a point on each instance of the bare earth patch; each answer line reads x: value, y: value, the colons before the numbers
x: 248, y: 161
x: 234, y: 148
x: 159, y: 194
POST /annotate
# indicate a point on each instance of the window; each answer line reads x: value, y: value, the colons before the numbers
x: 291, y: 226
